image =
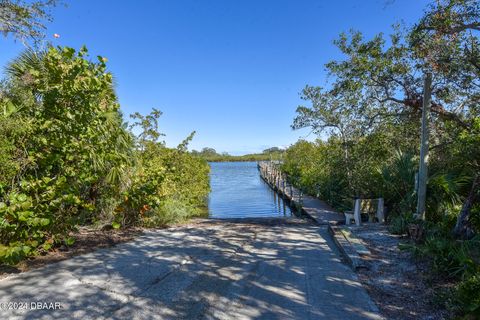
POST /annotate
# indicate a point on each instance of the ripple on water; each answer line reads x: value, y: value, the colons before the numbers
x: 237, y: 191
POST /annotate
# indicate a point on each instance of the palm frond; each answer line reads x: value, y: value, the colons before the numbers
x: 28, y: 62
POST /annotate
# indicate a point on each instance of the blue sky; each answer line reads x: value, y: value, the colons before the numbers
x: 230, y: 69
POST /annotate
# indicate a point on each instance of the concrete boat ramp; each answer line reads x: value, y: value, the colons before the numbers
x: 208, y: 269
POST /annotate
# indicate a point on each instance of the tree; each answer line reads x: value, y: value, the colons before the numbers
x: 75, y: 151
x: 446, y: 40
x: 68, y: 158
x: 208, y: 152
x: 168, y: 184
x: 382, y: 81
x: 24, y: 20
x: 149, y: 128
x: 272, y: 150
x: 330, y: 113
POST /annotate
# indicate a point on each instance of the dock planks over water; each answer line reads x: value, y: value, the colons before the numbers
x: 317, y: 209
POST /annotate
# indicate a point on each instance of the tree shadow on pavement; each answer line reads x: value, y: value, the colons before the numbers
x: 211, y: 269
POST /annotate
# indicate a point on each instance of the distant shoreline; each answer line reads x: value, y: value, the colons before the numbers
x: 244, y: 158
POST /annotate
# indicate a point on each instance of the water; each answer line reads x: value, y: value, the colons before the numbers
x: 237, y: 191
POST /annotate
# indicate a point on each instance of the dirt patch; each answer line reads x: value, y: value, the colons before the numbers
x: 401, y: 286
x: 86, y: 240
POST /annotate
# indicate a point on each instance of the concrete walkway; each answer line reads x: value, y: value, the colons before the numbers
x: 210, y: 269
x: 317, y: 209
x: 320, y: 211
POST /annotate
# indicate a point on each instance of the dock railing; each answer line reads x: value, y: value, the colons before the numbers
x: 271, y: 173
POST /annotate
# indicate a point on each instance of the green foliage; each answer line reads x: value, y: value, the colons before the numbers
x: 25, y: 20
x: 398, y: 224
x: 311, y: 167
x: 208, y: 152
x: 449, y: 257
x: 456, y: 260
x: 466, y: 298
x: 338, y: 171
x: 167, y: 178
x: 370, y: 111
x: 210, y: 155
x: 12, y: 159
x: 368, y: 117
x: 67, y: 158
x: 272, y: 150
x: 398, y: 180
x: 168, y: 186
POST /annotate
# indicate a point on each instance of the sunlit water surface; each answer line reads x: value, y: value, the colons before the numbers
x: 237, y: 191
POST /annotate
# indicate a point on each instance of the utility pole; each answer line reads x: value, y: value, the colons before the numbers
x: 423, y: 170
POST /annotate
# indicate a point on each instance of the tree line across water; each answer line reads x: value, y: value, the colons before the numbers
x: 211, y: 155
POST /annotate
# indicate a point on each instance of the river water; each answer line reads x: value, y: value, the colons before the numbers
x: 237, y: 191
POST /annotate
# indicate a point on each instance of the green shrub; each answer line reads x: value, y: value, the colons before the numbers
x: 162, y: 193
x: 68, y: 158
x: 398, y: 179
x: 456, y: 259
x: 168, y: 212
x: 466, y: 298
x: 168, y: 186
x: 398, y: 224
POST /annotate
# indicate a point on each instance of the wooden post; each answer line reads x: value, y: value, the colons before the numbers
x: 276, y: 178
x: 380, y: 211
x: 356, y: 213
x: 423, y: 170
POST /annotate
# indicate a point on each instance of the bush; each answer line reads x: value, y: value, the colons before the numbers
x: 71, y: 153
x: 398, y: 224
x: 168, y: 186
x: 456, y: 259
x: 466, y: 298
x: 67, y: 158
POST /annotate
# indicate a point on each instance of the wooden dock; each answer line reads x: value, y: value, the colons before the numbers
x: 313, y: 207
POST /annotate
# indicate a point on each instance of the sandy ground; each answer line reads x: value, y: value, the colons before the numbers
x: 401, y: 286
